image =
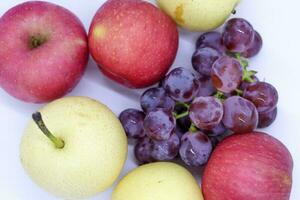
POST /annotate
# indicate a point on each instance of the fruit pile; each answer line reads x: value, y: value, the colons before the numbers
x: 75, y: 147
x: 190, y: 112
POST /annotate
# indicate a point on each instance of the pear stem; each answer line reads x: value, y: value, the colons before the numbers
x: 37, y: 118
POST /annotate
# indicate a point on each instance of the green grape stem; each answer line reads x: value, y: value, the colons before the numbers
x: 193, y: 128
x: 184, y: 114
x: 239, y: 92
x: 181, y: 115
x: 220, y: 95
x: 187, y: 106
x: 244, y: 62
x: 248, y: 74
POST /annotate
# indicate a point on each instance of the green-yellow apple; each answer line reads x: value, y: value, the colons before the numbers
x: 83, y: 153
x: 43, y: 51
x: 198, y: 15
x: 249, y: 166
x: 133, y: 42
x: 158, y: 181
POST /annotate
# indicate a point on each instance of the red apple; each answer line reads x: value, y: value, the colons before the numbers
x: 133, y: 42
x: 43, y: 51
x: 252, y: 166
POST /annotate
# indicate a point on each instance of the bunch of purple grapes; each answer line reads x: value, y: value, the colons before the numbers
x: 189, y: 113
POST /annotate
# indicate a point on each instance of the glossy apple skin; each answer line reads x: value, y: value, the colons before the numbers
x: 247, y: 167
x: 133, y: 42
x: 51, y: 70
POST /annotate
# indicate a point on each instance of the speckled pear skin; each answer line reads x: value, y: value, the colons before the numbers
x: 94, y: 153
x: 158, y: 181
x: 198, y: 15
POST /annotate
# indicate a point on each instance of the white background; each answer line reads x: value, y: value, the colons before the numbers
x: 278, y: 63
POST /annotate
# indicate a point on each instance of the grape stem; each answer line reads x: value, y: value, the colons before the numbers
x: 242, y: 60
x: 187, y: 106
x: 248, y: 74
x: 220, y: 95
x: 193, y: 128
x: 181, y: 115
x: 37, y: 118
x: 239, y: 92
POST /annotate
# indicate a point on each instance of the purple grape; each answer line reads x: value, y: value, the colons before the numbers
x: 217, y: 134
x: 254, y: 47
x: 227, y: 74
x: 159, y: 124
x: 143, y: 151
x: 240, y: 115
x: 203, y: 59
x: 245, y: 84
x: 267, y: 118
x: 181, y: 84
x: 166, y: 150
x: 132, y: 121
x: 238, y: 35
x: 179, y: 132
x: 206, y: 86
x: 195, y: 149
x: 206, y: 112
x: 219, y: 130
x: 263, y: 95
x: 215, y: 140
x: 211, y: 39
x: 154, y: 98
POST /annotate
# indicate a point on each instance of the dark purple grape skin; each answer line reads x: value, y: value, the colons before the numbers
x: 263, y: 95
x: 206, y: 112
x: 179, y: 132
x: 195, y: 149
x: 132, y: 121
x: 211, y: 39
x: 254, y: 47
x: 245, y: 84
x: 159, y: 124
x: 166, y: 150
x: 155, y: 98
x: 267, y: 118
x: 240, y: 115
x: 143, y: 151
x: 203, y: 59
x: 215, y: 140
x: 219, y: 130
x: 181, y: 84
x: 227, y: 74
x: 238, y: 35
x: 206, y: 86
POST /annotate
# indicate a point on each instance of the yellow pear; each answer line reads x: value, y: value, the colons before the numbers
x: 198, y: 15
x: 158, y: 181
x: 74, y: 147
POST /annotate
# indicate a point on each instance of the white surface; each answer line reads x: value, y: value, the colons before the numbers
x: 278, y: 63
